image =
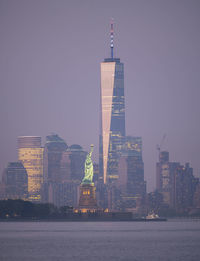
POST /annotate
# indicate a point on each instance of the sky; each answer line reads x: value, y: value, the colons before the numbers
x: 50, y: 54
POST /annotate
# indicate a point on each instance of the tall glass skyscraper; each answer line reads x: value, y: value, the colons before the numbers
x: 112, y: 118
x: 30, y: 154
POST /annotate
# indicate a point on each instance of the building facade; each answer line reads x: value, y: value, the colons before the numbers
x: 63, y: 194
x: 53, y: 172
x: 185, y: 185
x: 15, y: 181
x: 165, y: 173
x: 77, y: 157
x: 131, y: 184
x: 30, y: 154
x: 53, y: 156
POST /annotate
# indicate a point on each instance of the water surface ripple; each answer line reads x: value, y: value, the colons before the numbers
x: 100, y: 241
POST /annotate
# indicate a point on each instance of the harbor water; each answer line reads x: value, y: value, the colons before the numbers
x: 173, y: 240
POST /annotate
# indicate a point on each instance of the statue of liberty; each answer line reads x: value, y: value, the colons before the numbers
x: 88, y: 168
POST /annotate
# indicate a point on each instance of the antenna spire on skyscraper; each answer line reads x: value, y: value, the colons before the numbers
x: 111, y: 37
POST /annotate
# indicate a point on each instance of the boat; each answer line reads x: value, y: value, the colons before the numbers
x: 154, y: 217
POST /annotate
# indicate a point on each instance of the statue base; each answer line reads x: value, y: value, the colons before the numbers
x: 87, y: 200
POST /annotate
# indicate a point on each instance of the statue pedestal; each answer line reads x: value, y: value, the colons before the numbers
x: 87, y: 200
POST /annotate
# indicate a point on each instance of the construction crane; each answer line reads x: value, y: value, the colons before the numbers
x: 161, y: 143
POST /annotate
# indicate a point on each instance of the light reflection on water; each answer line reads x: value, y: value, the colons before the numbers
x: 92, y: 241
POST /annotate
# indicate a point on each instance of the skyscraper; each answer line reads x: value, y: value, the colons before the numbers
x: 53, y: 154
x: 77, y: 158
x: 185, y: 185
x: 131, y: 168
x: 30, y: 153
x: 165, y: 171
x: 15, y: 181
x: 53, y: 151
x: 131, y: 182
x: 112, y: 121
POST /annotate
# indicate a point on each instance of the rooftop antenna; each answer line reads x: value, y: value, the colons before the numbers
x: 111, y: 37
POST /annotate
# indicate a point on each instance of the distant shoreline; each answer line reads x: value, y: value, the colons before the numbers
x: 82, y: 220
x: 97, y: 220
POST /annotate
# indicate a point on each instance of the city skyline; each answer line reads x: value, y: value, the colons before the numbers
x: 42, y: 59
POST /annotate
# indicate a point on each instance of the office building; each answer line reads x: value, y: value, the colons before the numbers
x: 196, y: 199
x: 131, y: 167
x: 53, y: 156
x: 131, y: 184
x: 54, y: 169
x: 165, y: 174
x: 112, y: 119
x: 15, y: 181
x: 77, y: 158
x: 63, y: 194
x: 30, y: 154
x: 185, y: 186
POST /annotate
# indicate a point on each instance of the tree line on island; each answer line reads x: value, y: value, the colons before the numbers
x: 25, y: 209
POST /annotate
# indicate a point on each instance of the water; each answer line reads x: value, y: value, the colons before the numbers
x: 100, y: 241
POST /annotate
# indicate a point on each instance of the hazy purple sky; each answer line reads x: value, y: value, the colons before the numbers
x: 50, y: 54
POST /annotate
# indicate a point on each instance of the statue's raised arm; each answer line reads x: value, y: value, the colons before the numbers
x: 88, y: 178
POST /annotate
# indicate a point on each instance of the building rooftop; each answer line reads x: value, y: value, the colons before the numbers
x: 108, y: 60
